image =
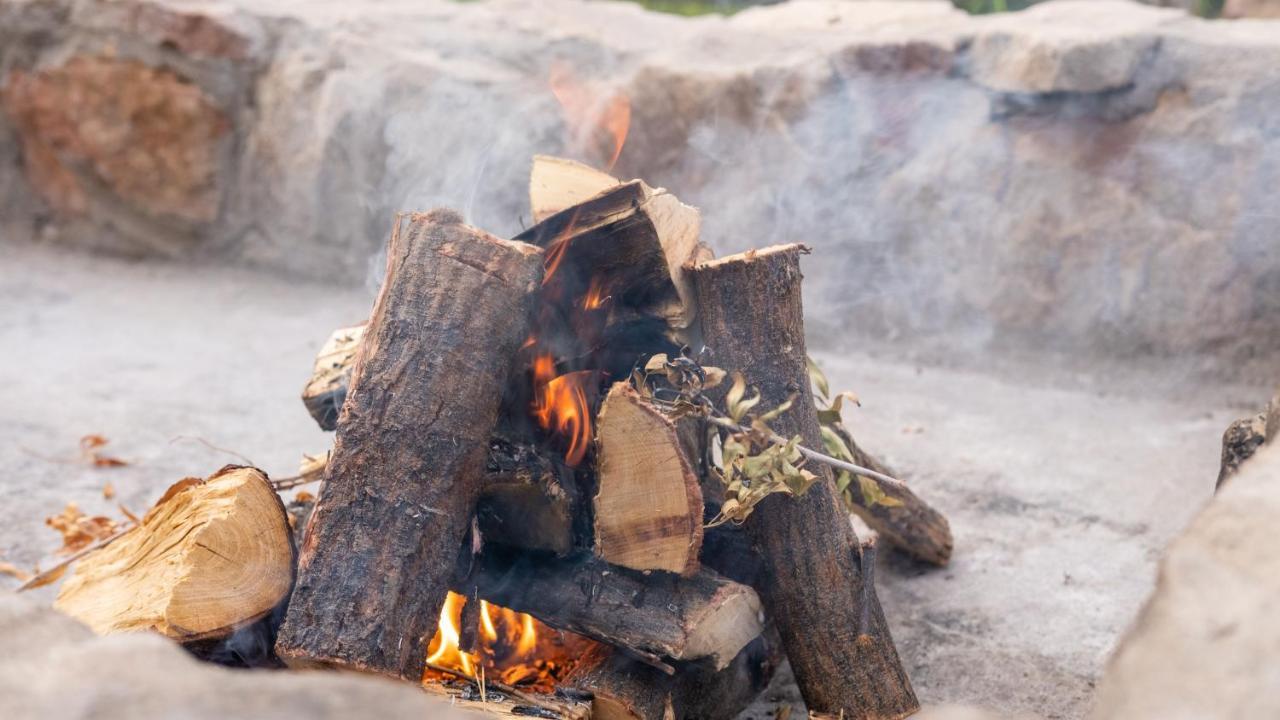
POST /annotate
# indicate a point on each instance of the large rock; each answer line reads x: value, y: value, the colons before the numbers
x: 1204, y: 648
x: 1083, y: 175
x: 54, y: 667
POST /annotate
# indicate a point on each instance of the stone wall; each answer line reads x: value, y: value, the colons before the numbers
x: 1086, y: 176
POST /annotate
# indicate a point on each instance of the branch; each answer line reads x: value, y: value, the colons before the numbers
x: 814, y: 455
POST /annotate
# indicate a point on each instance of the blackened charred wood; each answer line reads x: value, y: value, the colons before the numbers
x: 812, y: 583
x: 408, y: 465
x: 655, y: 615
x: 625, y: 689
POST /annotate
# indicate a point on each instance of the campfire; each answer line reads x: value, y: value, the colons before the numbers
x: 587, y: 471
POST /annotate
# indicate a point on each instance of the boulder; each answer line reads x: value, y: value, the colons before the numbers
x: 1204, y: 646
x: 1045, y: 178
x: 53, y: 666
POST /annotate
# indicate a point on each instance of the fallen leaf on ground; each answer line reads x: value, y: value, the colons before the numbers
x: 89, y: 445
x: 108, y: 491
x: 79, y: 530
x: 14, y: 571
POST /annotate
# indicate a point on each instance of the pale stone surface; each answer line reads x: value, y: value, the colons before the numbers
x: 1062, y: 485
x: 1091, y: 176
x: 54, y: 667
x: 1205, y: 645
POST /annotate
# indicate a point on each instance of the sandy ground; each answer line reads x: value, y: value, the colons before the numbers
x: 1062, y: 486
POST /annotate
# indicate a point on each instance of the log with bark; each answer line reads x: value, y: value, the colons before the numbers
x: 213, y: 556
x: 654, y: 616
x: 905, y: 521
x: 813, y: 583
x: 648, y: 508
x: 408, y: 464
x: 622, y: 688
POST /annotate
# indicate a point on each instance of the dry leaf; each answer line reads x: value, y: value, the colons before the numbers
x: 304, y: 497
x: 79, y: 530
x: 89, y: 445
x: 108, y: 491
x: 50, y: 577
x: 14, y: 571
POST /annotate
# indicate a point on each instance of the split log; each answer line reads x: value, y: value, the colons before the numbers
x: 812, y: 584
x: 557, y: 183
x: 624, y: 689
x: 408, y: 464
x: 652, y: 616
x: 326, y: 390
x: 213, y: 556
x: 648, y: 509
x: 633, y: 241
x: 906, y: 522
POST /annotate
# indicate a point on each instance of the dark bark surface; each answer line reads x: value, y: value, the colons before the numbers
x: 409, y: 460
x: 912, y: 525
x: 655, y: 615
x: 830, y: 621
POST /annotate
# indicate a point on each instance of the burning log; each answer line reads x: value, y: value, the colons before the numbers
x: 813, y: 583
x: 906, y: 522
x: 408, y: 463
x: 652, y: 616
x: 211, y: 557
x: 632, y: 241
x: 528, y: 500
x: 624, y: 689
x: 648, y: 510
x: 558, y: 183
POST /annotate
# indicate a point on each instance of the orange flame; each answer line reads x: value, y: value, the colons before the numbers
x: 512, y: 646
x: 447, y: 642
x: 595, y: 296
x: 560, y: 405
x: 591, y: 117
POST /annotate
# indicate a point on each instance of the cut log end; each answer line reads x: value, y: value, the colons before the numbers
x: 213, y: 556
x: 649, y: 507
x: 729, y: 623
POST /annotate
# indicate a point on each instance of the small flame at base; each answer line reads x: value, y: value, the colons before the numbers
x: 514, y: 647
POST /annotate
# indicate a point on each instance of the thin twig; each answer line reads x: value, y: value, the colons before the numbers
x: 571, y: 711
x: 211, y: 446
x: 293, y: 481
x: 38, y: 578
x: 814, y: 454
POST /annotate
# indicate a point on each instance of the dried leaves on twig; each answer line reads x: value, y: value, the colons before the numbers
x: 80, y: 530
x: 831, y: 422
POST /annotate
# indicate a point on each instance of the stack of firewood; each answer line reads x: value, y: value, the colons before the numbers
x: 541, y: 423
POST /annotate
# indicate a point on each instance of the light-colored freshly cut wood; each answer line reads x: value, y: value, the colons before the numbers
x: 327, y: 389
x: 212, y: 556
x: 557, y: 183
x: 648, y: 510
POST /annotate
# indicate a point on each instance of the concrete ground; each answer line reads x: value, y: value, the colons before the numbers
x: 1062, y: 484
